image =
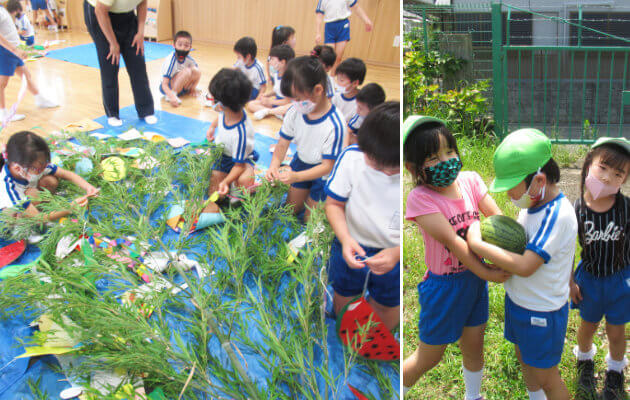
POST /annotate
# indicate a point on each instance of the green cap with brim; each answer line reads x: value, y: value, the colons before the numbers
x: 520, y: 154
x: 619, y: 141
x: 416, y: 120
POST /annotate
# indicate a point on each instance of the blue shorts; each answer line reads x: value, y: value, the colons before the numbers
x: 316, y: 186
x: 337, y: 31
x: 607, y: 296
x: 226, y: 163
x: 39, y: 5
x: 183, y: 92
x: 348, y: 282
x: 539, y: 335
x: 254, y: 94
x: 29, y: 40
x: 8, y: 62
x: 448, y: 303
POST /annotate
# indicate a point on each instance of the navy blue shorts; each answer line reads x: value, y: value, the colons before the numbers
x: 226, y: 163
x: 316, y: 186
x: 8, y: 62
x: 29, y: 40
x: 448, y: 303
x: 183, y: 91
x: 337, y: 31
x: 39, y: 5
x: 607, y: 296
x: 538, y: 334
x: 254, y: 94
x: 348, y: 282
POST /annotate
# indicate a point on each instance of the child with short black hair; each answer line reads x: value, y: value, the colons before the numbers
x: 363, y: 210
x: 369, y: 97
x: 180, y: 72
x: 349, y: 75
x: 280, y: 34
x: 536, y: 295
x: 327, y: 56
x: 246, y: 61
x: 231, y: 90
x: 274, y: 102
x: 601, y: 285
x: 26, y: 170
x: 317, y: 128
x: 25, y: 29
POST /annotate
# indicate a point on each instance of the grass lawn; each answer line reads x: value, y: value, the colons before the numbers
x: 502, y: 374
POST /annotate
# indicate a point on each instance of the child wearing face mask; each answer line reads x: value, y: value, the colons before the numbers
x: 454, y: 293
x: 26, y: 170
x: 316, y: 127
x: 601, y: 285
x: 536, y: 307
x: 274, y: 103
x: 245, y: 49
x: 349, y: 75
x: 180, y: 72
x: 370, y: 96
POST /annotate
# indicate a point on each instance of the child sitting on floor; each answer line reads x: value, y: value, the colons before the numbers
x: 180, y: 73
x: 370, y: 96
x: 246, y: 49
x: 274, y: 102
x: 349, y: 75
x: 25, y: 29
x: 327, y: 56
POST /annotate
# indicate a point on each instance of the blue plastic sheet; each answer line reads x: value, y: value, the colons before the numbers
x: 85, y: 54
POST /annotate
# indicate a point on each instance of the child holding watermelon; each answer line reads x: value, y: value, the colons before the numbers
x: 454, y: 292
x: 26, y: 169
x: 363, y: 209
x: 536, y: 308
x: 601, y: 286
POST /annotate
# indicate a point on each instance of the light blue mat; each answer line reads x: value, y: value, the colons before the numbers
x: 85, y: 54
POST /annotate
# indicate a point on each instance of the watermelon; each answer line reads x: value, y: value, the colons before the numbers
x: 359, y: 394
x: 378, y: 343
x: 505, y: 233
x: 12, y: 252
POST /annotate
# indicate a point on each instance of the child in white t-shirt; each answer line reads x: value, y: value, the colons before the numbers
x: 349, y: 75
x: 180, y: 72
x: 246, y: 49
x: 25, y: 29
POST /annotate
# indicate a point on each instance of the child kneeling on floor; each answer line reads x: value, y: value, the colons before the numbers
x: 363, y: 209
x: 231, y: 90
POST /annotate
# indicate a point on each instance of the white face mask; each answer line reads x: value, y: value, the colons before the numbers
x: 304, y: 106
x: 527, y: 200
x: 347, y: 89
x: 239, y: 64
x: 33, y: 179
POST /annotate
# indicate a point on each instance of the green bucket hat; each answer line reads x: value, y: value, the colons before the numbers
x: 416, y: 120
x: 521, y: 153
x: 619, y: 141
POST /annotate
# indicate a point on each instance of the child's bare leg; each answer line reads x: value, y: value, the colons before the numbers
x: 310, y: 203
x: 421, y: 361
x: 585, y: 334
x: 246, y: 179
x: 547, y: 379
x: 296, y: 198
x: 389, y: 315
x: 339, y: 302
x: 616, y: 341
x: 50, y: 16
x: 215, y: 179
x: 180, y: 80
x: 254, y: 105
x: 49, y: 183
x: 23, y: 73
x: 280, y: 110
x: 4, y: 80
x: 471, y: 345
x: 193, y: 80
x: 340, y: 47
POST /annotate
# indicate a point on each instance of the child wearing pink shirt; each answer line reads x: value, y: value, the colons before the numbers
x: 454, y: 293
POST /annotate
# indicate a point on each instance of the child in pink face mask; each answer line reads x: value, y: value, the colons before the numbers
x: 601, y: 285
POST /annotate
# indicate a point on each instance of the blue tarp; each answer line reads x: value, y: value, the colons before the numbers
x: 85, y: 54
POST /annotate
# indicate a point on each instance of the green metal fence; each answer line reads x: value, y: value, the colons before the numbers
x: 574, y: 93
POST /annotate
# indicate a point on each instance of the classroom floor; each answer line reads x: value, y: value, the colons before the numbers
x: 77, y: 88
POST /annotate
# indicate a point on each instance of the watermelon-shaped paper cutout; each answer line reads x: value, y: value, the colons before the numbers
x: 114, y: 169
x: 504, y: 232
x: 378, y: 343
x: 12, y: 252
x: 359, y: 395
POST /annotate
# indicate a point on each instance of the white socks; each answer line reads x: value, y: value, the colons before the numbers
x: 472, y: 381
x: 614, y: 365
x: 584, y: 356
x: 537, y: 395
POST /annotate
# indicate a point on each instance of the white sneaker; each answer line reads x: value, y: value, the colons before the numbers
x: 43, y: 102
x: 260, y: 114
x: 113, y: 121
x: 17, y: 117
x: 53, y: 28
x: 150, y: 119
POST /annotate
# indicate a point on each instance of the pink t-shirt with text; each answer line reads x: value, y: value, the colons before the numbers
x: 460, y: 213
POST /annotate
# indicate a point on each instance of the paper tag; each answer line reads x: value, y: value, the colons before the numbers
x: 131, y: 134
x: 628, y: 282
x: 537, y: 321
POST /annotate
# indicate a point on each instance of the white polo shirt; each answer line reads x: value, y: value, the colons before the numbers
x: 551, y: 233
x: 335, y: 10
x: 23, y: 24
x: 315, y: 139
x: 347, y: 105
x: 237, y: 139
x: 172, y: 65
x: 255, y: 73
x: 371, y: 197
x: 7, y: 27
